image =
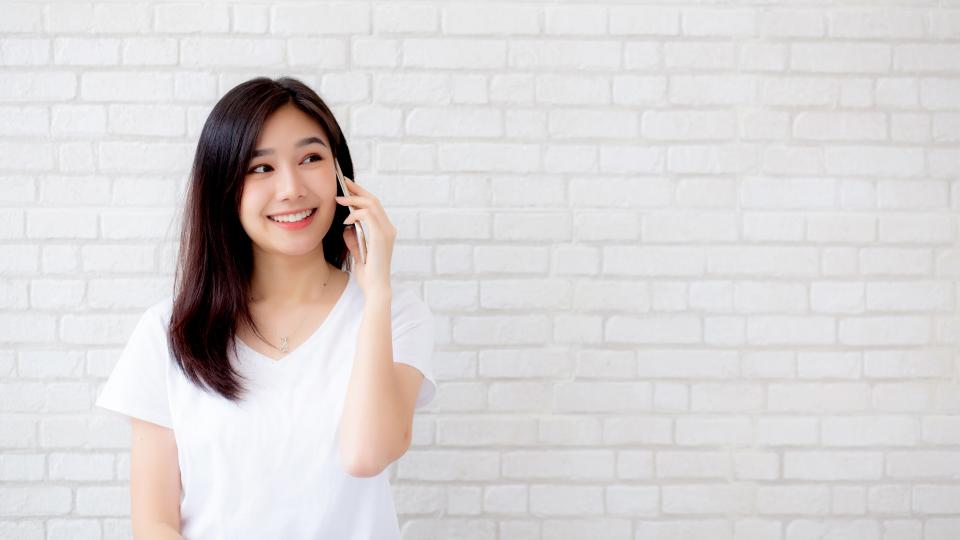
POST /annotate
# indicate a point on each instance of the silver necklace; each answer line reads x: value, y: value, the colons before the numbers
x: 284, y: 340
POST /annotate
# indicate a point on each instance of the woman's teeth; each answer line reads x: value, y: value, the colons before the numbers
x: 292, y: 218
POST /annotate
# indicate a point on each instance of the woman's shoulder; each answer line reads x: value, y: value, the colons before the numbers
x: 161, y: 309
x: 407, y: 303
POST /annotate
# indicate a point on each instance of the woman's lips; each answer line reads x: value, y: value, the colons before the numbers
x: 297, y: 211
x: 296, y: 224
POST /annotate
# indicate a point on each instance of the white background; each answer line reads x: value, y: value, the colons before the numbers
x: 693, y: 265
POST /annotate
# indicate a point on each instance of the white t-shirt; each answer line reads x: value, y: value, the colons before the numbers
x: 270, y: 466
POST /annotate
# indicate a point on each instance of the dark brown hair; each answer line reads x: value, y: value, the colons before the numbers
x: 215, y: 261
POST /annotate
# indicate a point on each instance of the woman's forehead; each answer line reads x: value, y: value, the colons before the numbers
x: 288, y: 127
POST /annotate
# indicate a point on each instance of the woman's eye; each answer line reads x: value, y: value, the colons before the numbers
x: 253, y: 170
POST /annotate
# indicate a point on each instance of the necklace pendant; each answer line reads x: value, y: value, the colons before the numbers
x: 283, y: 345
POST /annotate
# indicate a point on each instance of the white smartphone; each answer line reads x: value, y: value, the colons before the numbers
x: 357, y: 226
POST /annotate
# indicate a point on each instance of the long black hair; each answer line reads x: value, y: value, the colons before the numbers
x: 215, y: 260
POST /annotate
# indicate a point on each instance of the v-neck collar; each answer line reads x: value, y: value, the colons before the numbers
x: 337, y: 306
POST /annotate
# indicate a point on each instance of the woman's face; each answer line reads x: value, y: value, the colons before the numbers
x: 286, y: 175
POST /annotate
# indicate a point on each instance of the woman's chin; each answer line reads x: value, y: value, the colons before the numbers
x: 298, y: 248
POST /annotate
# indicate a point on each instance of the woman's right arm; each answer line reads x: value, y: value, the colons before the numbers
x: 154, y: 482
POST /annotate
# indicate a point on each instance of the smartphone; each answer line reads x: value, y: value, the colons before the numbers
x: 357, y: 226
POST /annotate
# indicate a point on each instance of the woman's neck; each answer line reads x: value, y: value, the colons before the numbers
x: 290, y: 281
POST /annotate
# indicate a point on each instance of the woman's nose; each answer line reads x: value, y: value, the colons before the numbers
x: 289, y: 184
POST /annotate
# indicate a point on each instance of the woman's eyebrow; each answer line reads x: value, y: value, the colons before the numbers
x: 301, y: 142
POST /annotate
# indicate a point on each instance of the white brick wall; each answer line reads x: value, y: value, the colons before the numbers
x: 694, y: 265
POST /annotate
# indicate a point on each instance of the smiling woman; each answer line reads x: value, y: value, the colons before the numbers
x: 273, y: 386
x: 289, y: 185
x: 267, y: 149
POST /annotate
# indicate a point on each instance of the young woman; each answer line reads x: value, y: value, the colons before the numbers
x: 271, y: 390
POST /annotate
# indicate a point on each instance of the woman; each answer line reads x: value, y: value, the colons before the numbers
x: 271, y: 390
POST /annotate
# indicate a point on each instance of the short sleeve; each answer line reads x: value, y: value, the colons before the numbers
x: 138, y: 384
x: 412, y: 332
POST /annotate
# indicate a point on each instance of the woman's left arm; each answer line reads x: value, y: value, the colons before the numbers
x: 378, y: 410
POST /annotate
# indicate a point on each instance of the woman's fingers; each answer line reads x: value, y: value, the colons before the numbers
x: 359, y: 202
x: 353, y: 200
x: 368, y: 207
x: 363, y: 204
x: 352, y: 217
x: 356, y: 215
x: 358, y: 189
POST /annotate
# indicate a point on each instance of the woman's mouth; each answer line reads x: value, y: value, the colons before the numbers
x: 297, y: 220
